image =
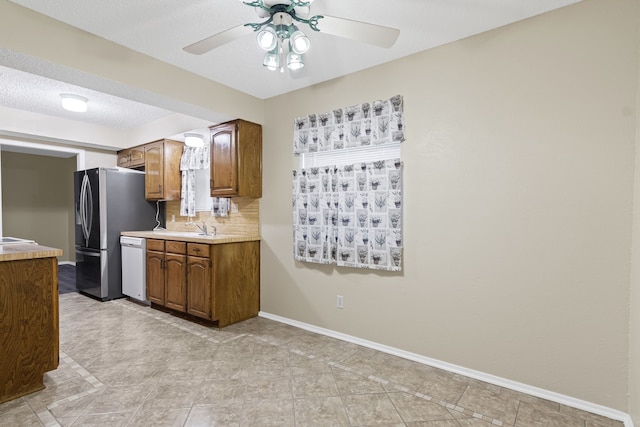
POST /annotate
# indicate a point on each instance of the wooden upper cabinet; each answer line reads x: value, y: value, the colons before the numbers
x: 132, y: 158
x: 162, y: 169
x: 236, y: 159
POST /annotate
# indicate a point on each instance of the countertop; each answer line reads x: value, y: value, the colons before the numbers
x: 192, y: 237
x: 18, y: 251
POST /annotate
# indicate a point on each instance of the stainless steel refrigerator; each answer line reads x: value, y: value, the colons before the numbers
x: 107, y: 202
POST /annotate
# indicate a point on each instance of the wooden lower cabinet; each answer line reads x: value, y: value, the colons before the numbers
x: 199, y: 287
x: 218, y: 282
x: 155, y: 272
x: 176, y: 281
x: 29, y: 328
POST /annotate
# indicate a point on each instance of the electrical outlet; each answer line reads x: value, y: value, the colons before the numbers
x: 173, y: 218
x: 339, y: 301
x: 234, y: 207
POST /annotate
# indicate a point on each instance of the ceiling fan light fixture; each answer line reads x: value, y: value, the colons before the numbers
x: 294, y: 61
x: 193, y: 140
x: 267, y: 38
x: 272, y: 60
x: 75, y: 103
x: 299, y: 42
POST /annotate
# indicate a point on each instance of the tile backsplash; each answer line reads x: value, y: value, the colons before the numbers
x: 245, y: 221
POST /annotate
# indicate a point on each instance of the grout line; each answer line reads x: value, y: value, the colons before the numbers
x: 404, y: 389
x: 45, y: 416
x: 399, y: 387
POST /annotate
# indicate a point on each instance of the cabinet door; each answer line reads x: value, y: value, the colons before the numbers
x: 176, y: 277
x: 155, y: 277
x: 224, y: 165
x: 123, y: 158
x: 199, y: 287
x: 154, y: 170
x: 136, y: 157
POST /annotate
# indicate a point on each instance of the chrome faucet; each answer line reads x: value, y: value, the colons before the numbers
x: 203, y: 229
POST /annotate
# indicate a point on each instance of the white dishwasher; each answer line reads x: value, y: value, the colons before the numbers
x: 134, y: 282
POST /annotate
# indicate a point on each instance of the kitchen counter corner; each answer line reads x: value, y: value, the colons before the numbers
x: 19, y: 251
x: 192, y: 237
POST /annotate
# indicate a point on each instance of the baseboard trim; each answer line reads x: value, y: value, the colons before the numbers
x: 492, y: 379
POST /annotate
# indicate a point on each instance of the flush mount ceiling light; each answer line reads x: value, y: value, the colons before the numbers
x: 193, y: 140
x: 278, y: 36
x: 75, y: 103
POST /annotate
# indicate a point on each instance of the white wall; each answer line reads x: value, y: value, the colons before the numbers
x: 519, y: 165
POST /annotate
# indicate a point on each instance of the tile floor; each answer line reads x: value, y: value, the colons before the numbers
x: 122, y: 364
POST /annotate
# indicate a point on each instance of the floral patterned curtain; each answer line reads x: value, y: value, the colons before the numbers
x: 192, y: 158
x: 349, y: 215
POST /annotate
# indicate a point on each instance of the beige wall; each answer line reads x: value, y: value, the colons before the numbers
x: 519, y: 182
x: 519, y: 165
x: 634, y: 303
x: 37, y: 200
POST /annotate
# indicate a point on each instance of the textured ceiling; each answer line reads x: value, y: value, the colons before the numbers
x: 161, y: 28
x: 42, y: 95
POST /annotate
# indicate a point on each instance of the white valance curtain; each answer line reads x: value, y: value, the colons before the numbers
x: 192, y: 158
x: 349, y: 215
x: 370, y: 123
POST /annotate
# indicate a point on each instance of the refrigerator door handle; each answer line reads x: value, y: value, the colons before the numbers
x: 86, y: 208
x: 83, y: 207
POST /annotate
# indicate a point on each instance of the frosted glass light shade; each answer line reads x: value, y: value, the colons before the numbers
x: 294, y: 61
x: 193, y: 140
x: 272, y: 60
x: 74, y: 103
x: 267, y: 38
x: 299, y: 42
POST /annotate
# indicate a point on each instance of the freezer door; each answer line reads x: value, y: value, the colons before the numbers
x: 91, y: 272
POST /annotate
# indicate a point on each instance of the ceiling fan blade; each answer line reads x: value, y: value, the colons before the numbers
x: 361, y: 31
x: 217, y: 40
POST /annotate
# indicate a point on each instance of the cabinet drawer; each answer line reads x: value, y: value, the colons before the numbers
x: 176, y: 247
x: 198, y: 249
x: 155, y: 245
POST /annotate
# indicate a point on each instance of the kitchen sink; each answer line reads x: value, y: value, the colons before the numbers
x: 188, y: 234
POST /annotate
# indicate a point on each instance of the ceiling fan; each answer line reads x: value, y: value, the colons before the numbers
x: 279, y: 32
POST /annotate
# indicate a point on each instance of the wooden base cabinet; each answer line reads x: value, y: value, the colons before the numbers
x: 167, y: 274
x: 156, y: 282
x: 175, y: 266
x: 29, y: 332
x: 219, y: 282
x: 199, y: 263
